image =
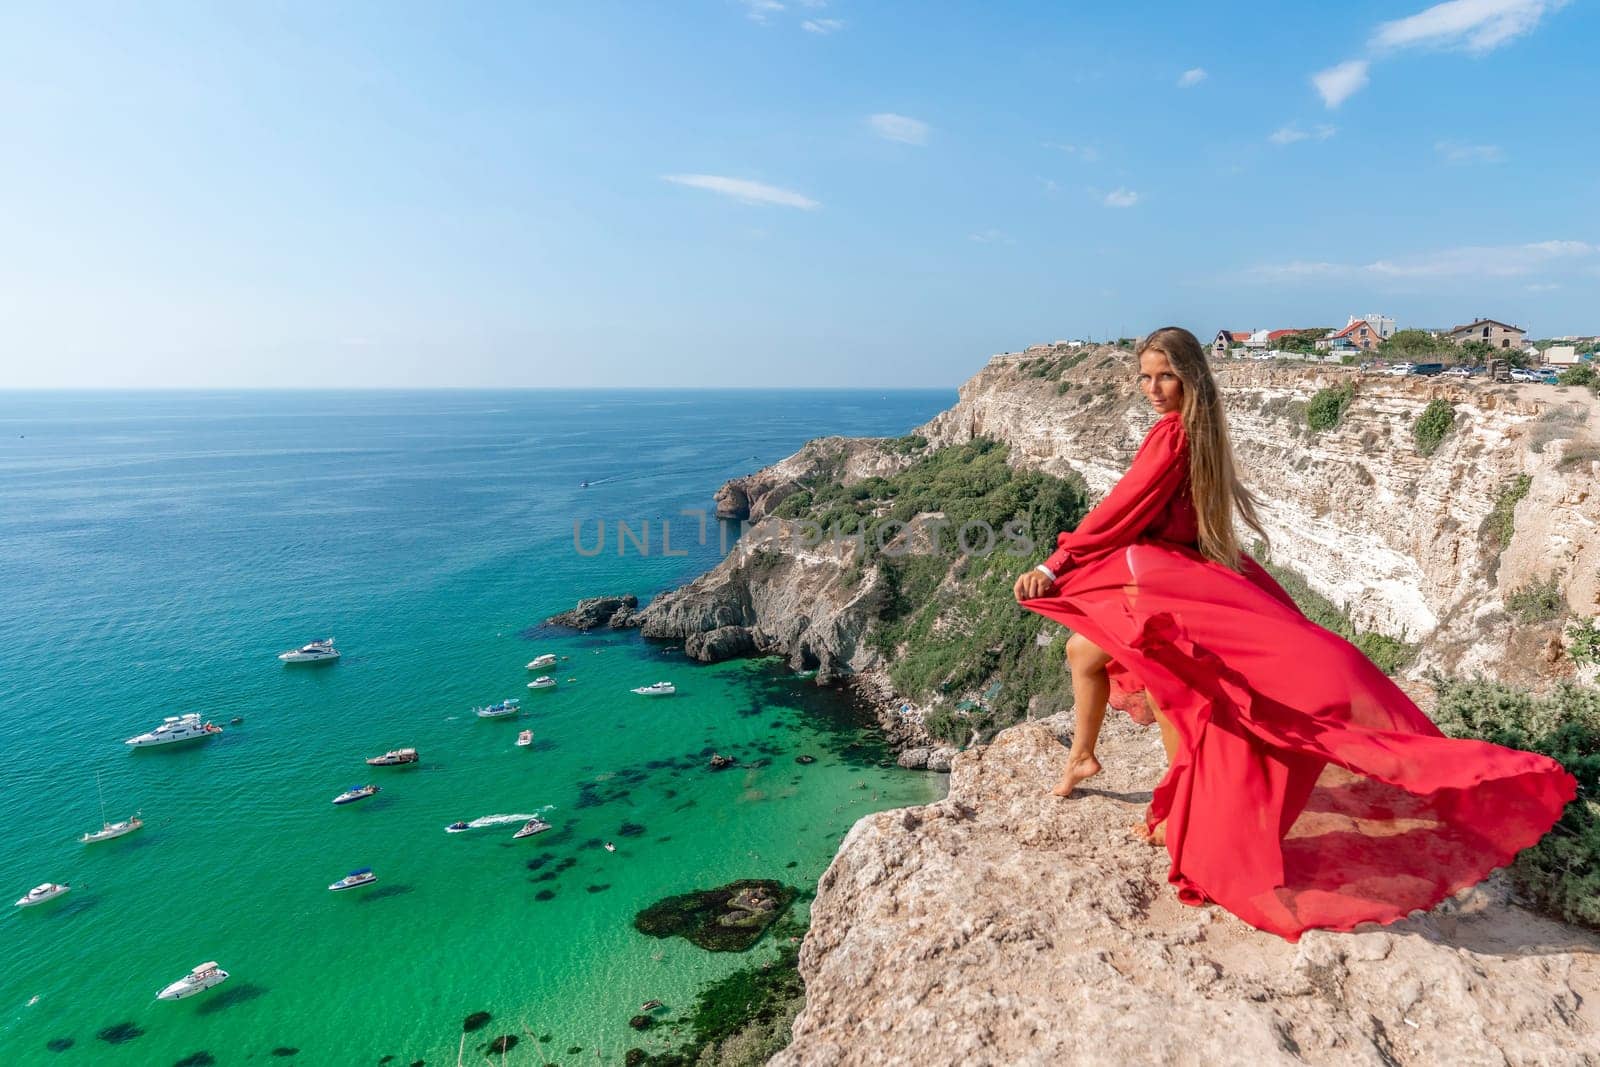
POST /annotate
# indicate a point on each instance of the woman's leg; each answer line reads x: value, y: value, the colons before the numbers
x: 1091, y: 688
x: 1157, y: 835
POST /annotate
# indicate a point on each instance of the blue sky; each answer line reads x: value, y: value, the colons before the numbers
x: 769, y: 192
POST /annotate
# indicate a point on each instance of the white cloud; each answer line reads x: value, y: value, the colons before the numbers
x: 992, y: 237
x: 1469, y: 261
x: 1455, y: 152
x: 900, y: 128
x: 740, y: 189
x: 1190, y: 78
x: 822, y: 25
x: 1121, y: 198
x: 1291, y: 133
x: 760, y: 9
x: 1544, y: 287
x: 1471, y: 25
x: 1340, y: 82
x: 1087, y: 153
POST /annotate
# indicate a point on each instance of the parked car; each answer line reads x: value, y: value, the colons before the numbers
x: 1518, y: 374
x: 1458, y: 372
x: 1400, y: 369
x: 1427, y: 368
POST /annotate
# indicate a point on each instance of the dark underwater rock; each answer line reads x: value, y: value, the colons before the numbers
x: 120, y: 1033
x: 59, y: 1044
x: 476, y: 1021
x: 729, y: 918
x: 503, y: 1044
x: 196, y: 1059
x: 285, y: 1050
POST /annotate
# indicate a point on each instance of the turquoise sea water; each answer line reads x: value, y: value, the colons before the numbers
x: 158, y: 550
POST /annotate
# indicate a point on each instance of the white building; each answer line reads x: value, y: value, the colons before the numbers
x: 1561, y: 355
x: 1383, y: 324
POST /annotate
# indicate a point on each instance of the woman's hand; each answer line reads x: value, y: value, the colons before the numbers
x: 1031, y: 584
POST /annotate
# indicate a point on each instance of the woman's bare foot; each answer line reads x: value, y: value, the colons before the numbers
x: 1078, y: 769
x: 1155, y: 837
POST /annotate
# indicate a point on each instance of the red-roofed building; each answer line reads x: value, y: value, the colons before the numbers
x: 1356, y: 336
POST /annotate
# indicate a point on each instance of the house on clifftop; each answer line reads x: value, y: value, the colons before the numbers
x: 1491, y: 332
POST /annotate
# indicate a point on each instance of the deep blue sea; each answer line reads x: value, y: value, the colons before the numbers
x: 157, y: 550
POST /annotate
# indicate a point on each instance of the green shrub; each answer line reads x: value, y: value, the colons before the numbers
x: 1580, y: 374
x: 1328, y: 407
x: 1538, y: 601
x: 1562, y: 872
x: 1431, y: 426
x: 1500, y: 524
x: 1585, y: 640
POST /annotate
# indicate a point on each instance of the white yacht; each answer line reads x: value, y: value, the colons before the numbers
x: 361, y: 877
x: 198, y: 980
x: 112, y: 829
x: 539, y: 663
x: 41, y: 893
x: 657, y: 689
x: 315, y: 652
x: 544, y: 681
x: 533, y: 826
x: 175, y: 728
x: 524, y: 739
x: 394, y: 758
x: 355, y: 793
x: 503, y: 710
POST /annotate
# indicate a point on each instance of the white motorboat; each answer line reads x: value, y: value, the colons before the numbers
x: 175, y: 728
x: 609, y: 847
x: 354, y: 879
x: 544, y: 681
x: 524, y: 739
x: 41, y: 893
x: 314, y: 652
x: 657, y: 689
x: 198, y: 980
x: 109, y: 829
x: 503, y: 710
x: 355, y: 793
x: 533, y: 826
x: 539, y: 663
x: 394, y: 758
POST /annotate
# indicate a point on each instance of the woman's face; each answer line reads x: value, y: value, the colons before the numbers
x: 1159, y: 382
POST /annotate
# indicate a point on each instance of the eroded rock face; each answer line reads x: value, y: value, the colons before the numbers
x: 1005, y: 926
x: 596, y: 611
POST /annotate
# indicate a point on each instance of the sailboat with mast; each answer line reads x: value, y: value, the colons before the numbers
x: 109, y: 829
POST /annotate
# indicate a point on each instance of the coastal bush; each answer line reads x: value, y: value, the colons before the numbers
x: 1585, y: 642
x: 1411, y: 344
x: 1499, y: 526
x: 1390, y: 654
x: 1431, y: 426
x: 1579, y: 374
x: 1328, y: 407
x: 1562, y: 872
x: 1537, y: 601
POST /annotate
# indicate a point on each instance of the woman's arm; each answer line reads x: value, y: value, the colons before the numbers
x: 1158, y: 470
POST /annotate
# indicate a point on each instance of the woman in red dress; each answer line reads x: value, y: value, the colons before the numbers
x: 1304, y: 788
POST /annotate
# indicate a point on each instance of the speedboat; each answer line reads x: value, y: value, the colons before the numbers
x: 175, y: 728
x: 541, y: 662
x: 315, y: 652
x: 544, y: 681
x: 41, y: 893
x: 609, y: 847
x: 108, y: 830
x: 532, y: 826
x: 361, y: 877
x: 198, y: 980
x: 355, y: 793
x: 524, y: 739
x: 457, y: 827
x: 394, y: 758
x: 657, y: 689
x: 503, y: 710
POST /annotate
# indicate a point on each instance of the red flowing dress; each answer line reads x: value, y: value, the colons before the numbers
x: 1308, y: 789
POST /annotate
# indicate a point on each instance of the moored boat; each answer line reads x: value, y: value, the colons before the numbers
x: 503, y: 710
x: 312, y: 652
x: 541, y: 662
x: 355, y: 879
x: 656, y: 689
x: 544, y: 681
x: 41, y: 893
x: 109, y: 830
x: 198, y: 980
x: 533, y: 826
x: 524, y: 739
x: 175, y: 728
x: 355, y: 793
x: 394, y: 758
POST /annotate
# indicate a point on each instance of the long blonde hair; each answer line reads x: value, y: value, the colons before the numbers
x: 1213, y: 477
